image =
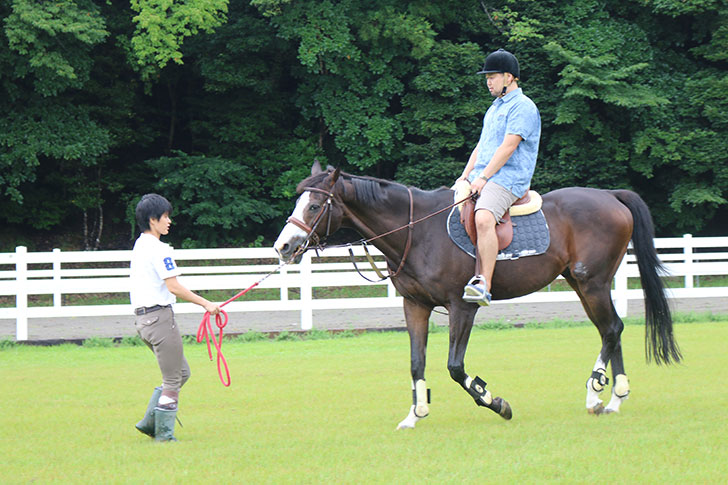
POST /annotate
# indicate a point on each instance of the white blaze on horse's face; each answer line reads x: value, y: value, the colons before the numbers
x: 292, y: 236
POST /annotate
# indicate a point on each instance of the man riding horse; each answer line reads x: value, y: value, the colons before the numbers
x: 501, y: 165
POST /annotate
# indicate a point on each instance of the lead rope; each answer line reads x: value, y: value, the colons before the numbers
x: 206, y: 332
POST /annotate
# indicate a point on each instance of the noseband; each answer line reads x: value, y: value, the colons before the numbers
x: 311, y: 230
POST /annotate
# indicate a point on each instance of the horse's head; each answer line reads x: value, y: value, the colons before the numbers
x: 315, y: 216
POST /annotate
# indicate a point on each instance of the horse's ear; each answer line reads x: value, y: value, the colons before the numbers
x: 316, y: 167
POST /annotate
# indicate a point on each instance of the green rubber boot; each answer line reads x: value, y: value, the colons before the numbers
x: 146, y: 425
x: 164, y: 424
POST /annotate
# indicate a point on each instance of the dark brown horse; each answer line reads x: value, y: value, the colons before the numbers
x: 590, y: 230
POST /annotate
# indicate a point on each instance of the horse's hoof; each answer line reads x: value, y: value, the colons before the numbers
x: 597, y: 409
x: 505, y: 408
x: 610, y: 411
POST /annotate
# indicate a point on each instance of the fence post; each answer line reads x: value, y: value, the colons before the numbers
x: 284, y: 285
x: 306, y: 293
x: 21, y: 296
x: 57, y: 278
x: 619, y: 296
x: 688, y: 251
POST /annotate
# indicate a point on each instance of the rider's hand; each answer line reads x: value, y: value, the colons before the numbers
x: 477, y: 185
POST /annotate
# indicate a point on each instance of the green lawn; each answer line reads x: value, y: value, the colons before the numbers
x: 325, y: 411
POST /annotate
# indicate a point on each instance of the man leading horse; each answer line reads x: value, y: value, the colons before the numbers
x: 501, y: 165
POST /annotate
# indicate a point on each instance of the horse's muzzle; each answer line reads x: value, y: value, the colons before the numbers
x: 289, y: 252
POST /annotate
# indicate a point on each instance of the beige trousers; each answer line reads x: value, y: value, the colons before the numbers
x: 496, y: 199
x: 159, y: 331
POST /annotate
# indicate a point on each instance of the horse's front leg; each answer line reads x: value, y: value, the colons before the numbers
x: 461, y: 323
x: 417, y: 317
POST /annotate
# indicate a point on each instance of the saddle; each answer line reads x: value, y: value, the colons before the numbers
x: 528, y: 204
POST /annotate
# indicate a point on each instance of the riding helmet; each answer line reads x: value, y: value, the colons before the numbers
x: 501, y: 61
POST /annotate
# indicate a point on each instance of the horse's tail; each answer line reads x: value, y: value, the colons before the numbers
x: 660, y: 342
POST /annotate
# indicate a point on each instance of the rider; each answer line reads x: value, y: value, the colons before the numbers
x: 502, y: 164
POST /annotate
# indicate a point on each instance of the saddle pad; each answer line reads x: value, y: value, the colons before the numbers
x: 530, y: 235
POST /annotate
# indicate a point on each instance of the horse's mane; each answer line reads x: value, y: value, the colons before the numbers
x: 368, y: 189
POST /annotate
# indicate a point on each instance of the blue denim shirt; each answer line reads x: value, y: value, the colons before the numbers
x: 513, y: 114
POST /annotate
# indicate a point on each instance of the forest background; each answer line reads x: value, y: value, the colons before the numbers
x: 222, y: 106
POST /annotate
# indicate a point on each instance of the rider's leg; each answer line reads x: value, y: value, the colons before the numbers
x: 487, y: 244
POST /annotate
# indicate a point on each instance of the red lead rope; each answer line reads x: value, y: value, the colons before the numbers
x: 205, y: 332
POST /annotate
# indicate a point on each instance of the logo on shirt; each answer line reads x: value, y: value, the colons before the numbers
x: 169, y: 264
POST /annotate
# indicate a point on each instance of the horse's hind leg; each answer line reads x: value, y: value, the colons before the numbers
x: 597, y: 302
x: 417, y: 317
x: 461, y: 323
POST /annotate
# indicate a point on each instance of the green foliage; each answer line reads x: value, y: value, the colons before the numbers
x: 252, y: 336
x: 134, y: 341
x: 441, y: 115
x: 209, y: 195
x: 7, y: 344
x: 162, y: 26
x: 95, y: 342
x: 222, y: 106
x: 54, y: 40
x: 286, y: 336
x: 316, y: 334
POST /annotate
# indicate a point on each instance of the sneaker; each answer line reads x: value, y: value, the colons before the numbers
x: 475, y: 292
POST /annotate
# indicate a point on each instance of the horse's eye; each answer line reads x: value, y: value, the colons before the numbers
x: 314, y: 207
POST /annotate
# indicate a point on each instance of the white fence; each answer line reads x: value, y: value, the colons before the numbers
x: 58, y: 273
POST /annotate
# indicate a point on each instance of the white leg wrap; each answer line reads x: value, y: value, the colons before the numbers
x: 421, y: 407
x: 621, y: 386
x: 595, y: 386
x: 620, y: 392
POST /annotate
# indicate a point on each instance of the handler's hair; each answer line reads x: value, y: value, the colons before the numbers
x: 152, y: 206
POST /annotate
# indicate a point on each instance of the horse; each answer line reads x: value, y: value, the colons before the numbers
x: 590, y: 230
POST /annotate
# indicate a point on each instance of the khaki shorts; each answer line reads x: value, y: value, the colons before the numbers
x: 160, y: 332
x: 495, y: 198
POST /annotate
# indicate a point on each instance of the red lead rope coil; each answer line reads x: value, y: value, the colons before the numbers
x: 206, y: 332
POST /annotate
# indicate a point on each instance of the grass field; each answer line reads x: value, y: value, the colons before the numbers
x: 325, y: 411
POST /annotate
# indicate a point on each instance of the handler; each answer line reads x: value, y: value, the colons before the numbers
x: 502, y: 164
x: 154, y: 287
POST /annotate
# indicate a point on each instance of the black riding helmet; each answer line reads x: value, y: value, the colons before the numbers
x: 501, y: 61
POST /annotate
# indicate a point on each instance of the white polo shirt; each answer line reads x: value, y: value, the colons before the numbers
x: 151, y: 264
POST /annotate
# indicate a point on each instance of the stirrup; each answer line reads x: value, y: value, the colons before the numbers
x: 475, y: 293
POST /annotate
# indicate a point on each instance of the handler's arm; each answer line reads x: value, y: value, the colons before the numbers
x: 500, y: 157
x: 178, y: 290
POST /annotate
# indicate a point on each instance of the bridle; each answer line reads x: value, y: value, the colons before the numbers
x: 311, y: 230
x: 312, y: 235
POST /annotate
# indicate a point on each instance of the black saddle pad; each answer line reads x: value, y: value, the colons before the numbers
x: 530, y: 235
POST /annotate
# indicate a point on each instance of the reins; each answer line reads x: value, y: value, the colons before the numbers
x: 409, y: 226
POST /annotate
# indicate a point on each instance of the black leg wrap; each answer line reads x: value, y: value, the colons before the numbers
x: 600, y: 377
x: 597, y: 380
x: 477, y: 390
x: 414, y: 397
